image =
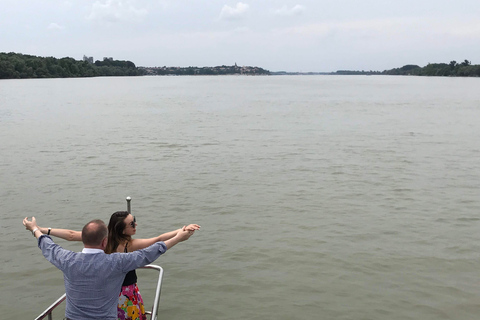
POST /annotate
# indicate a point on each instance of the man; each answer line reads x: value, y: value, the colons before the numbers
x: 92, y: 278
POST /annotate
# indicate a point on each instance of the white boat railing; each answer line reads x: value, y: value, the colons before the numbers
x: 48, y: 313
x: 158, y: 291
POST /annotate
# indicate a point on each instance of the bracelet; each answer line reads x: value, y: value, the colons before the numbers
x: 48, y: 233
x: 33, y: 231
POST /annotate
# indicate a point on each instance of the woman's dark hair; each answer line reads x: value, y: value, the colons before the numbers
x: 115, y: 231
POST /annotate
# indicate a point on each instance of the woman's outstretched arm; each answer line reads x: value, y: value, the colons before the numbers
x: 137, y: 244
x: 69, y: 235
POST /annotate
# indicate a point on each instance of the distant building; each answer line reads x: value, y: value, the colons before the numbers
x: 88, y: 59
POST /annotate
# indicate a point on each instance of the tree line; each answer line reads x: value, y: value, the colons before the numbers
x: 452, y: 69
x: 21, y: 66
x: 219, y: 70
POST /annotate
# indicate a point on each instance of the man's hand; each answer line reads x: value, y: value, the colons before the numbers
x: 30, y: 225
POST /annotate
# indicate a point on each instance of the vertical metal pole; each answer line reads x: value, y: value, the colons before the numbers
x: 128, y: 205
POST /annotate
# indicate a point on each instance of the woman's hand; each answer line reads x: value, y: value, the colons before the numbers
x: 184, y: 234
x: 192, y: 227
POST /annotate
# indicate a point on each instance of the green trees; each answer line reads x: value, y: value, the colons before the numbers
x: 453, y: 69
x: 19, y: 66
x: 409, y: 69
x: 219, y: 70
x: 109, y: 62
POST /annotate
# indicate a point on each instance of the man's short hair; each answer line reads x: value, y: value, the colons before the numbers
x: 94, y: 232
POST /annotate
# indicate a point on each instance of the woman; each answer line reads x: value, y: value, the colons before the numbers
x: 121, y: 228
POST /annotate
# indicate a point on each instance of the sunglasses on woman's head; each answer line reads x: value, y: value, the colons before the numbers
x: 132, y: 223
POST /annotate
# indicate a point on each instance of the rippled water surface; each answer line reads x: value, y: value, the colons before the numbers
x: 319, y: 197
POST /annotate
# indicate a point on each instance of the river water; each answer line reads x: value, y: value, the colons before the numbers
x: 319, y: 197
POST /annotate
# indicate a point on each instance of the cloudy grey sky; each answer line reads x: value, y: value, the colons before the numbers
x: 298, y: 35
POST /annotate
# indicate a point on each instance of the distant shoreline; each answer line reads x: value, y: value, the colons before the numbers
x: 21, y: 66
x: 192, y: 71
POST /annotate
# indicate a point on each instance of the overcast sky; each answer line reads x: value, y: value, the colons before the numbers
x: 298, y: 35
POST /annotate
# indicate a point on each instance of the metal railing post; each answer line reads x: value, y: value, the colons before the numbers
x: 129, y: 210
